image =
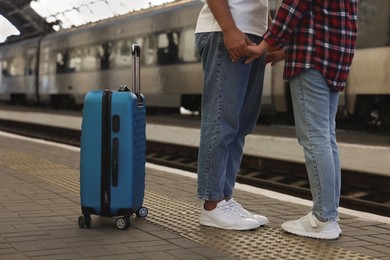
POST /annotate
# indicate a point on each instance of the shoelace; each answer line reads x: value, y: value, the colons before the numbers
x: 226, y: 208
x: 238, y: 208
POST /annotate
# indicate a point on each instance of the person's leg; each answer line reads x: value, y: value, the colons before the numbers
x: 249, y: 112
x: 311, y: 102
x: 222, y: 100
x: 314, y: 110
x: 209, y: 183
x: 221, y: 104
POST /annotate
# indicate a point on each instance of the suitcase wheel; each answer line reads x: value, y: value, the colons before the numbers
x: 85, y: 221
x: 142, y: 212
x: 123, y: 223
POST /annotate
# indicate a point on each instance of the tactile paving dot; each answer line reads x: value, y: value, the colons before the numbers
x: 182, y: 218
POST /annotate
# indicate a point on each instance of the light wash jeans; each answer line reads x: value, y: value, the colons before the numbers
x: 231, y: 104
x: 315, y: 107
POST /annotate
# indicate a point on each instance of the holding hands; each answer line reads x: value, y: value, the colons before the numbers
x: 274, y: 55
x: 249, y: 50
x: 237, y: 43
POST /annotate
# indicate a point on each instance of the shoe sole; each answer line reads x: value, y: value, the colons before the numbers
x: 328, y: 236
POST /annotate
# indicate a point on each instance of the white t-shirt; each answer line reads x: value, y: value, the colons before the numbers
x: 250, y: 16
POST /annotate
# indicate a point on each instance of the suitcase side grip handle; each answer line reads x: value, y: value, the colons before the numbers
x: 115, y: 152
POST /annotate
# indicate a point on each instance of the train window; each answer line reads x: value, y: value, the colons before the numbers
x: 31, y: 62
x: 90, y: 59
x: 105, y: 50
x: 149, y: 50
x: 17, y: 66
x: 75, y: 60
x: 4, y: 68
x: 167, y: 48
x: 122, y: 53
x: 188, y: 51
x: 62, y: 61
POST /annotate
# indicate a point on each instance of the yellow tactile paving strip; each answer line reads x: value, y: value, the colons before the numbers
x: 182, y: 218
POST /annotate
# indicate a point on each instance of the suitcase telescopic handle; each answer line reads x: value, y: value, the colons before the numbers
x: 136, y: 51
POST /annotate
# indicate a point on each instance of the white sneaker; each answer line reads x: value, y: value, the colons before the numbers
x: 338, y: 227
x: 310, y: 226
x: 224, y: 217
x: 239, y: 209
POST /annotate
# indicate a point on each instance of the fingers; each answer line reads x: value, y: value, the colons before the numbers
x: 255, y: 52
x: 235, y: 42
x: 250, y: 51
x: 239, y: 52
x: 238, y: 44
x: 248, y: 41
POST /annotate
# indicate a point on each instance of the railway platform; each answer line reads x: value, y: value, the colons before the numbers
x: 363, y: 153
x: 39, y: 208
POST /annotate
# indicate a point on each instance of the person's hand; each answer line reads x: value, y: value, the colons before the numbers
x: 275, y: 56
x: 244, y: 51
x: 256, y: 51
x: 236, y: 44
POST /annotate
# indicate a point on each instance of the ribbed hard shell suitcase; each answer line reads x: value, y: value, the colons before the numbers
x: 112, y: 157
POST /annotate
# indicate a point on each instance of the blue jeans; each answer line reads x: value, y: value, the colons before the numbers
x: 315, y: 107
x: 231, y: 104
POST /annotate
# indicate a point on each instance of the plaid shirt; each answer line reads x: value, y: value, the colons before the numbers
x: 318, y: 34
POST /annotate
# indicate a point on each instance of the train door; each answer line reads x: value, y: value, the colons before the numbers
x: 30, y: 74
x: 46, y: 73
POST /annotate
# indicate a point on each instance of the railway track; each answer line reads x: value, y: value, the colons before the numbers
x: 360, y: 191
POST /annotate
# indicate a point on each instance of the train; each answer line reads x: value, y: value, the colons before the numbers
x: 59, y: 68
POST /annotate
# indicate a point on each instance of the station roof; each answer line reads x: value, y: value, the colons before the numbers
x: 24, y: 18
x: 37, y: 17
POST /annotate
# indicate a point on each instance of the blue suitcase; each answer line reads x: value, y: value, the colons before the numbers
x: 112, y: 156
